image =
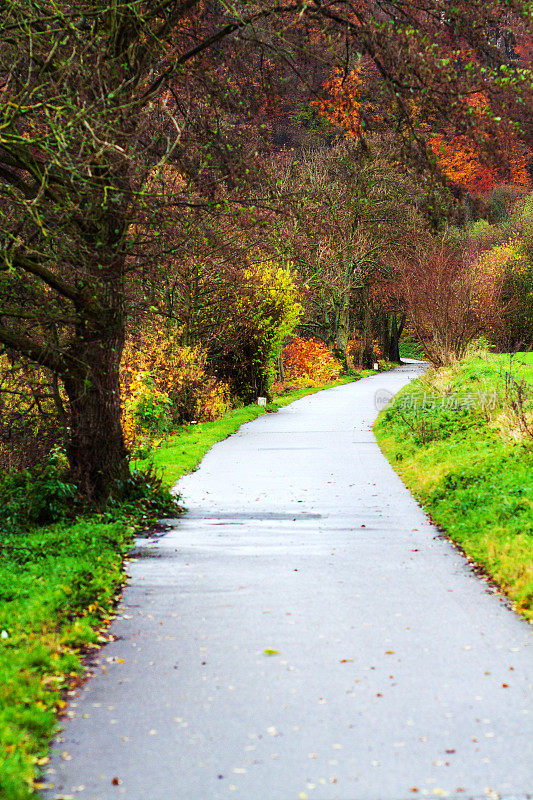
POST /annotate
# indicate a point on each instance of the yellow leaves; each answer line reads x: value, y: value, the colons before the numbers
x: 275, y: 306
x: 164, y: 381
x: 499, y: 258
x: 215, y: 401
x: 165, y: 180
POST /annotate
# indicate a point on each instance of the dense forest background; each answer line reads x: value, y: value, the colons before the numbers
x: 205, y: 202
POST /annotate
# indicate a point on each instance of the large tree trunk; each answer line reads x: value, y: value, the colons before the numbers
x: 96, y: 451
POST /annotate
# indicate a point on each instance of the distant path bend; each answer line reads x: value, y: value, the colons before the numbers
x: 396, y: 674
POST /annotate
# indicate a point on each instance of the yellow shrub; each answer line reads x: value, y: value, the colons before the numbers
x: 215, y: 401
x: 270, y: 311
x: 509, y: 266
x: 165, y: 384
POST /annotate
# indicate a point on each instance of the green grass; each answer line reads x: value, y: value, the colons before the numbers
x: 57, y: 588
x: 471, y: 466
x: 182, y: 452
x: 522, y: 358
x: 411, y: 349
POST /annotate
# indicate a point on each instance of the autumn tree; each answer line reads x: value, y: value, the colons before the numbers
x: 353, y: 215
x: 467, y: 164
x: 445, y: 79
x: 451, y: 298
x: 96, y: 98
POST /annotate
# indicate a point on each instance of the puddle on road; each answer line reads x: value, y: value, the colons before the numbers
x: 251, y: 515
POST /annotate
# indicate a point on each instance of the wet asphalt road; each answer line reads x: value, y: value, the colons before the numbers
x: 393, y: 673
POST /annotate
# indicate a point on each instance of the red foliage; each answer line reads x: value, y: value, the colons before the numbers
x: 460, y: 160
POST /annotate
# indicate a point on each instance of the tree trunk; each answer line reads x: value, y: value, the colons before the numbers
x: 343, y: 330
x: 391, y: 328
x: 281, y: 366
x: 367, y: 358
x: 394, y: 329
x: 96, y: 451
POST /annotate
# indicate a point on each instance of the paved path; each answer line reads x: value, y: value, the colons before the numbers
x: 398, y: 673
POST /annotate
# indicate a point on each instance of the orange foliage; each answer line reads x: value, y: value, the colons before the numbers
x: 460, y: 158
x: 460, y: 161
x: 309, y: 362
x: 344, y: 107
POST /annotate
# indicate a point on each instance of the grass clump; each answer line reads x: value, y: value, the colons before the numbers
x: 461, y: 440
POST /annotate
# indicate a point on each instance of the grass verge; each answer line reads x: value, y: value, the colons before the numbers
x: 57, y: 589
x: 458, y: 438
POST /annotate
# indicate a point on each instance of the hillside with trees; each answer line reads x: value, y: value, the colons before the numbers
x: 204, y: 202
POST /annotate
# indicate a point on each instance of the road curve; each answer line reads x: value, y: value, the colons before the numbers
x: 303, y: 632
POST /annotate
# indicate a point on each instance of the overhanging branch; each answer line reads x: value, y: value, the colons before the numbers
x: 223, y: 33
x: 38, y: 353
